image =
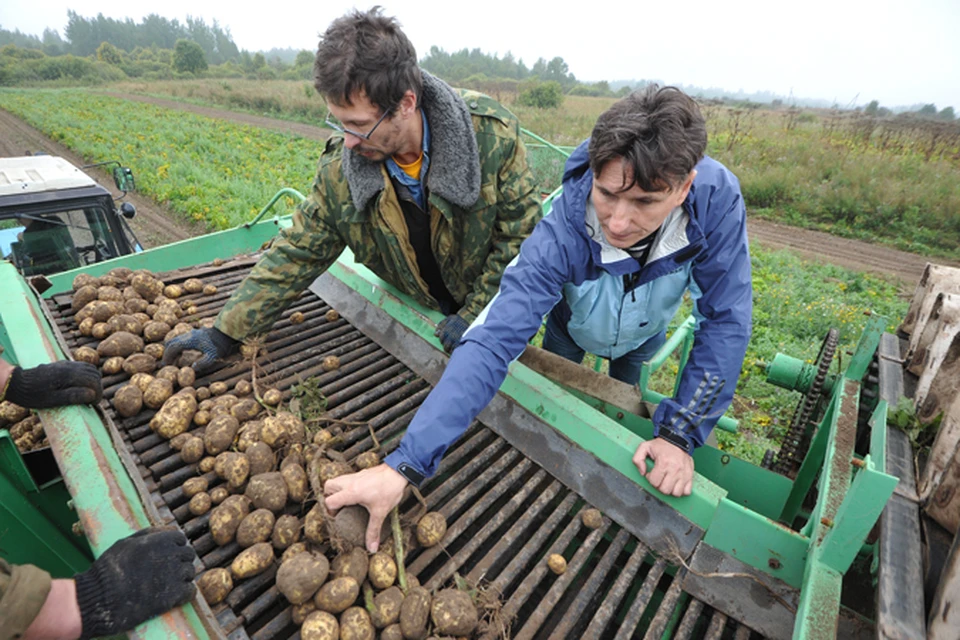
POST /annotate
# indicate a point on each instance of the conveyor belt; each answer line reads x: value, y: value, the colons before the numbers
x: 505, y: 512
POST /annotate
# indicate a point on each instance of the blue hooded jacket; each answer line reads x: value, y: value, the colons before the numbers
x: 701, y: 248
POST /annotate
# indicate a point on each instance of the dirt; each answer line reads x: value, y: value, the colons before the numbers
x: 154, y: 225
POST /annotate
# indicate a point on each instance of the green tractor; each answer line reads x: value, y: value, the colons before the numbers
x: 54, y: 217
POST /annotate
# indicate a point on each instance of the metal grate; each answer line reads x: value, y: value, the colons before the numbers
x: 504, y: 512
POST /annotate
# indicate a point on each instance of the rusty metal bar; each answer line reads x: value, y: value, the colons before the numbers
x: 608, y: 608
x: 666, y: 608
x: 639, y: 605
x: 689, y: 621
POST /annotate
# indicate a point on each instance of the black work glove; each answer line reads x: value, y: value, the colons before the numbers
x: 212, y: 343
x: 54, y: 385
x: 136, y: 579
x: 450, y: 330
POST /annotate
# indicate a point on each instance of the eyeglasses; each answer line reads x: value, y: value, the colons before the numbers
x: 334, y: 124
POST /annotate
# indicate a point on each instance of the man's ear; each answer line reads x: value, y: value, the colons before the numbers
x: 685, y: 187
x: 408, y: 104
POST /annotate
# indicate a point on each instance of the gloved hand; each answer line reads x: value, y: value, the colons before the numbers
x: 450, y: 330
x: 54, y: 385
x: 212, y: 343
x: 136, y: 579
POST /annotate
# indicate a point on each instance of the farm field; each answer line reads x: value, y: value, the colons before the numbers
x: 216, y: 173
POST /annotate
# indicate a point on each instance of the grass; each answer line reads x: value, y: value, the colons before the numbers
x: 222, y: 173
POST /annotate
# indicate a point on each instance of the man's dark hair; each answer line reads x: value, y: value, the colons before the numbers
x: 366, y: 51
x: 658, y: 133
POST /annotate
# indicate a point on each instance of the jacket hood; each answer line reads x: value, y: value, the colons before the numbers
x: 454, y: 159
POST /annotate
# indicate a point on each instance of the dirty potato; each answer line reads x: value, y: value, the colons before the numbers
x: 245, y: 409
x: 337, y: 595
x: 112, y: 366
x: 87, y: 354
x: 158, y: 392
x: 252, y: 561
x: 218, y: 388
x: 267, y: 491
x: 386, y: 607
x: 453, y: 613
x: 193, y: 285
x: 355, y: 624
x: 193, y: 486
x: 331, y: 363
x: 286, y: 532
x: 261, y: 457
x: 592, y: 519
x: 186, y: 376
x: 220, y: 433
x: 139, y: 363
x: 366, y: 460
x: 431, y: 529
x: 332, y: 315
x: 300, y: 577
x: 296, y: 480
x: 382, y: 571
x: 233, y: 468
x: 272, y: 397
x: 192, y: 450
x: 83, y: 296
x: 219, y: 494
x: 128, y: 400
x: 297, y: 317
x: 200, y: 503
x: 154, y: 349
x: 175, y: 414
x: 255, y: 528
x: 353, y: 563
x: 320, y: 625
x: 243, y: 388
x: 414, y: 613
x: 122, y: 343
x: 215, y: 585
x: 313, y: 524
x: 292, y: 550
x: 557, y: 563
x: 224, y: 522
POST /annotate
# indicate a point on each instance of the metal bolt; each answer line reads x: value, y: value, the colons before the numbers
x: 619, y: 415
x: 773, y: 563
x: 858, y: 463
x: 827, y: 522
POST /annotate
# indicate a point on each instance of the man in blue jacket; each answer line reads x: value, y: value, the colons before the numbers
x: 644, y: 217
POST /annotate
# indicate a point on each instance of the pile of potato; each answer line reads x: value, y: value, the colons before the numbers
x: 25, y: 427
x: 254, y: 465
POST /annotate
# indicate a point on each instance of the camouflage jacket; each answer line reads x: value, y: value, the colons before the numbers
x: 482, y: 203
x: 23, y: 590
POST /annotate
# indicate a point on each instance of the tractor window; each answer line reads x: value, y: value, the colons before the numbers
x: 47, y: 243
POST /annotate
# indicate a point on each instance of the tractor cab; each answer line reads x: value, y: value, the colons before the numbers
x: 54, y: 217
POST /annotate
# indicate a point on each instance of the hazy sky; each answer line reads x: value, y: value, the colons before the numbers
x: 847, y: 51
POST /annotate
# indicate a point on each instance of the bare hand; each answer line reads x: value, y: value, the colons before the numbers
x: 378, y: 489
x: 672, y: 472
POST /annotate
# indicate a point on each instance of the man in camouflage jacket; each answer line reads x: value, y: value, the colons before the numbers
x: 444, y: 241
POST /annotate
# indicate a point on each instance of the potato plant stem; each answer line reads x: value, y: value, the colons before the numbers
x: 368, y: 598
x: 398, y: 548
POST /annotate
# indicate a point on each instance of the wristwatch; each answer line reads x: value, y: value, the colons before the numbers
x: 413, y: 476
x: 675, y: 438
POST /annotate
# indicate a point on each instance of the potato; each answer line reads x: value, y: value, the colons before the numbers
x: 322, y: 437
x: 225, y: 519
x: 121, y: 273
x: 292, y: 550
x: 175, y: 414
x: 83, y: 296
x: 386, y: 607
x: 249, y: 435
x: 299, y: 612
x: 261, y: 458
x: 592, y: 519
x: 300, y: 577
x: 296, y: 317
x: 151, y: 309
x: 169, y: 372
x: 331, y: 363
x: 202, y: 418
x: 180, y: 329
x: 286, y: 532
x: 215, y: 585
x: 209, y: 289
x: 193, y: 285
x: 414, y: 613
x: 109, y: 293
x: 319, y: 625
x: 232, y: 467
x: 297, y: 484
x: 382, y: 572
x: 431, y: 529
x: 332, y: 315
x: 167, y: 317
x: 220, y: 433
x: 200, y: 503
x: 192, y: 450
x: 120, y: 344
x: 267, y: 491
x: 193, y: 486
x: 100, y: 330
x: 218, y: 388
x: 99, y: 310
x: 155, y: 331
x: 331, y: 469
x: 272, y: 397
x: 557, y: 563
x: 218, y: 494
x: 392, y: 633
x: 176, y: 443
x: 453, y: 613
x: 87, y: 354
x: 173, y: 291
x: 252, y: 561
x: 285, y: 421
x: 355, y: 624
x: 243, y: 388
x: 136, y: 306
x: 86, y: 327
x: 158, y: 392
x: 313, y: 524
x: 203, y: 393
x: 350, y: 525
x: 366, y: 460
x: 139, y: 363
x: 245, y: 410
x: 255, y: 528
x: 141, y: 380
x: 147, y: 286
x: 337, y: 595
x: 352, y: 563
x: 112, y: 366
x: 128, y: 400
x: 125, y: 322
x: 154, y: 349
x: 186, y: 377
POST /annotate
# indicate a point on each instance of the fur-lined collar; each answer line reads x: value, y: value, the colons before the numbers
x: 454, y: 161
